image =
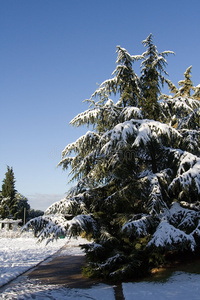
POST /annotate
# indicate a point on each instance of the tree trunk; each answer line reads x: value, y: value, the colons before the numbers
x: 119, y: 292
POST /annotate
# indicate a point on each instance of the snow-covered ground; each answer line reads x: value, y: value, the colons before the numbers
x: 20, y: 254
x: 32, y: 290
x: 17, y: 255
x: 181, y: 285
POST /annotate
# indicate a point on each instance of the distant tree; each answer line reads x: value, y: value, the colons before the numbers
x: 12, y: 203
x: 21, y: 205
x: 8, y: 194
x: 8, y: 186
x: 33, y: 213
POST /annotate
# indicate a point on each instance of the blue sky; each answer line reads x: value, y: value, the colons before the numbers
x: 52, y: 54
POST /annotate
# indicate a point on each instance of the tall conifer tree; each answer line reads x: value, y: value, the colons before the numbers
x: 138, y: 179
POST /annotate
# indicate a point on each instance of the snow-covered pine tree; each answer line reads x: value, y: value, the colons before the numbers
x: 138, y: 179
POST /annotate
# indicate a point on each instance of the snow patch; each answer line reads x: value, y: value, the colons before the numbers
x: 17, y: 255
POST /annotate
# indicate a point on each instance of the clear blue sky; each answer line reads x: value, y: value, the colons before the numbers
x: 52, y: 54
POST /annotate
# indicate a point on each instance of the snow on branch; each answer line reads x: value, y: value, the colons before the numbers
x: 138, y: 225
x: 67, y: 205
x: 87, y: 139
x: 183, y: 218
x: 123, y: 55
x: 87, y: 117
x: 81, y: 223
x: 53, y: 226
x: 148, y: 129
x: 167, y: 236
x: 107, y: 86
x: 191, y: 140
x: 47, y: 226
x: 155, y: 203
x: 117, y: 137
x: 186, y: 162
x: 188, y: 172
x: 131, y: 112
x: 141, y: 131
x: 180, y: 109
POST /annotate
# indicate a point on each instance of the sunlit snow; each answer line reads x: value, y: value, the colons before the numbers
x: 28, y: 253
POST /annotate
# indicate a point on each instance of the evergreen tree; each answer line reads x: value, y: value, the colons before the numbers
x: 9, y: 205
x: 8, y: 187
x: 138, y: 179
x: 12, y: 203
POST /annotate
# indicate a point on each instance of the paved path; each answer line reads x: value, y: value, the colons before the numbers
x: 64, y: 270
